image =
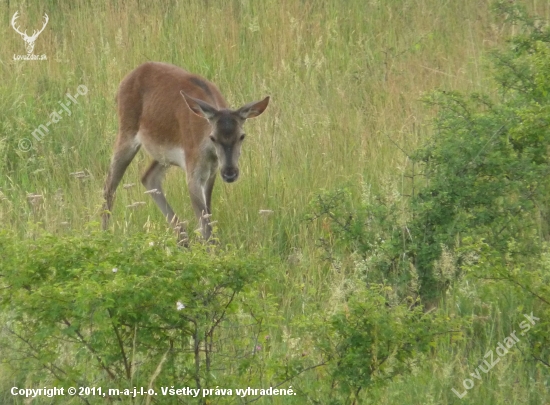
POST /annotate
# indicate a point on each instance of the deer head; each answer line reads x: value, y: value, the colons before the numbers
x: 29, y: 40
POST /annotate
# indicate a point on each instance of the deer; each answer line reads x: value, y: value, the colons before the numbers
x: 29, y: 41
x: 181, y: 119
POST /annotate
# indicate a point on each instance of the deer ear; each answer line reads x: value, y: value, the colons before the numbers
x: 199, y: 107
x: 253, y: 109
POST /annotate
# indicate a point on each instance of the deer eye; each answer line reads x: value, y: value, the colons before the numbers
x: 242, y: 137
x: 213, y: 139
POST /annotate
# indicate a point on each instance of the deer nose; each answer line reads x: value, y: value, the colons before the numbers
x: 230, y: 174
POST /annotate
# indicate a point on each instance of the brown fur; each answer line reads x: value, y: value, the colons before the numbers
x: 174, y: 114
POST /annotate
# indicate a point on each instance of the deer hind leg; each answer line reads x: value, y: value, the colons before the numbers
x: 152, y: 180
x: 125, y: 150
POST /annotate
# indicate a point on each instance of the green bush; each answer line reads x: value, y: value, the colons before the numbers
x: 370, y: 340
x: 480, y: 204
x: 136, y: 311
x: 485, y: 174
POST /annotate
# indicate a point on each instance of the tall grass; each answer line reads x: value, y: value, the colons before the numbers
x: 345, y: 81
x: 346, y: 78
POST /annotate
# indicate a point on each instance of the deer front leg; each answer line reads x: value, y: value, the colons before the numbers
x: 197, y: 192
x: 152, y: 180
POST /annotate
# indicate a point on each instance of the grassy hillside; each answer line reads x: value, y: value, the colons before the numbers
x: 346, y: 80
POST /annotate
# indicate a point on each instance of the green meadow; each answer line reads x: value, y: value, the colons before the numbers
x: 290, y: 295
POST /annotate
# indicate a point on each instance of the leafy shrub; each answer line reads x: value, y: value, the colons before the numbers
x: 486, y: 174
x: 482, y: 207
x: 370, y: 341
x: 137, y: 311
